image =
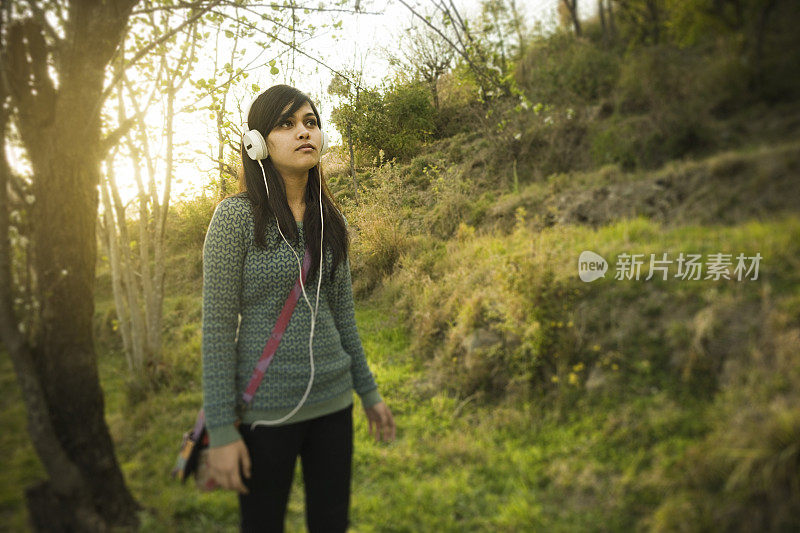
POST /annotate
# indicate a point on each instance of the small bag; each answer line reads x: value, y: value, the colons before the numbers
x: 193, y: 454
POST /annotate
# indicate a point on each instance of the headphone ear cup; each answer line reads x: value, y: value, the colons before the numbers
x: 325, y: 143
x: 255, y: 145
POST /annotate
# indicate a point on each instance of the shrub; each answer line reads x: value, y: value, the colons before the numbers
x: 564, y: 70
x: 381, y: 229
x: 459, y: 109
x: 188, y: 222
x: 450, y: 200
x: 395, y: 121
x: 648, y: 141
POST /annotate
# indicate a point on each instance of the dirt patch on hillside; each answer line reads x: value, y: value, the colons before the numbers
x: 723, y: 189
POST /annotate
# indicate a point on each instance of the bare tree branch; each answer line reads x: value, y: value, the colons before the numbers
x: 290, y: 45
x: 317, y: 8
x: 201, y: 10
x: 462, y: 50
x: 115, y: 136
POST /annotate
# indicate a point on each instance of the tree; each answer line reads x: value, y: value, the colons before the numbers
x: 57, y: 368
x: 53, y: 90
x: 138, y: 286
x: 645, y: 19
x: 502, y: 32
x: 468, y: 47
x: 571, y: 8
x: 349, y: 89
x: 606, y: 13
x: 393, y: 120
x: 748, y: 25
x: 425, y: 55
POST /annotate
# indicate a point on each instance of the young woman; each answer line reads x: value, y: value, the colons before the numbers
x: 251, y: 260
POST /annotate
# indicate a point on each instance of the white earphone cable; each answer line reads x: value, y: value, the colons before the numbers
x: 314, y: 310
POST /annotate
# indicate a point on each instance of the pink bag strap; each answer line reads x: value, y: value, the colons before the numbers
x: 277, y: 333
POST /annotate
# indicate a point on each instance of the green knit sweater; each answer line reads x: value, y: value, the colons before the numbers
x: 244, y: 290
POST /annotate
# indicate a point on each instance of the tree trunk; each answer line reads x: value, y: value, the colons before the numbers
x: 611, y: 27
x: 113, y: 250
x: 654, y: 15
x: 155, y: 298
x: 601, y: 12
x: 135, y: 323
x: 352, y: 161
x: 757, y: 80
x: 434, y: 85
x: 61, y: 130
x: 572, y: 9
x: 65, y: 252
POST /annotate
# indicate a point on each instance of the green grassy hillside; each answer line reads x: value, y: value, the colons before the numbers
x: 525, y: 399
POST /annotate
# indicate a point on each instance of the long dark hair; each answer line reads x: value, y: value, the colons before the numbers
x: 265, y: 114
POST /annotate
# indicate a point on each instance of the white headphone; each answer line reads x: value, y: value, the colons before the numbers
x: 256, y: 148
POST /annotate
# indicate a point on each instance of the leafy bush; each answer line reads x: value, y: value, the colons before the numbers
x: 658, y: 77
x: 644, y: 141
x: 188, y: 222
x: 449, y: 200
x: 395, y: 121
x: 563, y: 70
x: 459, y: 107
x: 381, y: 229
x: 663, y: 106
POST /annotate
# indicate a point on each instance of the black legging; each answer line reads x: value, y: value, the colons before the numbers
x: 325, y: 445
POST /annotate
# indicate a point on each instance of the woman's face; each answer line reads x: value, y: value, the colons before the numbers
x: 284, y: 142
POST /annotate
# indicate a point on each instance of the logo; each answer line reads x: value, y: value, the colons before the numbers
x: 718, y: 266
x: 591, y: 266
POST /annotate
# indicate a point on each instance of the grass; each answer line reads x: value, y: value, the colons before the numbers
x: 454, y: 466
x: 20, y: 466
x: 459, y: 463
x: 546, y: 452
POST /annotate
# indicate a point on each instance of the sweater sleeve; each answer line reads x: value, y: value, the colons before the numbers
x: 343, y: 311
x: 223, y: 258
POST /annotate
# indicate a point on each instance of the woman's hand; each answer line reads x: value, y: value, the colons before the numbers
x: 380, y: 418
x: 224, y: 463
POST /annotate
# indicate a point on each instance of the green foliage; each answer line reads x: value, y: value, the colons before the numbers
x: 459, y: 105
x: 395, y: 121
x: 381, y: 224
x: 552, y: 139
x: 746, y: 467
x: 664, y: 100
x: 502, y: 313
x: 564, y: 71
x: 188, y: 221
x: 451, y: 453
x: 761, y: 34
x: 633, y: 142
